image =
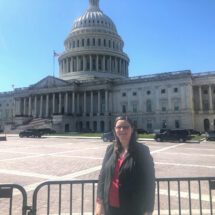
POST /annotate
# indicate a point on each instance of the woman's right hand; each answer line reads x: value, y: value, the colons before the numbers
x: 99, y: 209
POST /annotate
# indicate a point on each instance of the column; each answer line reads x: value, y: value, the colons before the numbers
x: 29, y: 106
x: 18, y: 106
x: 66, y: 103
x: 85, y: 101
x: 84, y: 63
x: 200, y: 98
x: 115, y: 65
x: 68, y: 64
x: 71, y: 64
x: 64, y: 66
x: 99, y: 103
x: 120, y: 66
x: 78, y: 103
x: 183, y: 97
x: 91, y: 62
x: 157, y: 98
x: 53, y: 103
x: 97, y: 63
x: 110, y: 64
x: 78, y: 63
x: 106, y: 101
x: 73, y: 102
x: 35, y: 106
x: 41, y: 106
x: 91, y: 103
x: 103, y: 64
x: 60, y: 103
x: 47, y: 105
x: 24, y: 108
x: 210, y: 98
x: 169, y: 98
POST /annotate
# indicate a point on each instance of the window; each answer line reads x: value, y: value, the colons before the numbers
x: 177, y: 124
x: 149, y: 125
x: 205, y: 92
x: 73, y: 44
x: 82, y: 42
x: 94, y: 41
x: 134, y: 93
x: 135, y: 108
x: 176, y: 107
x: 205, y: 105
x: 104, y: 43
x: 123, y: 94
x: 124, y: 108
x: 163, y: 108
x: 175, y: 90
x: 164, y: 124
x: 163, y: 91
x: 148, y: 92
x: 148, y: 106
x: 88, y: 42
x: 77, y: 43
x: 99, y: 42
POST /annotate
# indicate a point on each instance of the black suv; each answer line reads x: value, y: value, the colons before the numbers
x: 173, y: 135
x: 108, y: 137
x: 46, y: 131
x: 30, y: 133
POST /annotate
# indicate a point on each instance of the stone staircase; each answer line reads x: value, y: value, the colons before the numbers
x: 34, y: 123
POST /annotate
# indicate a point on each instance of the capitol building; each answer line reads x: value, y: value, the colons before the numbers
x: 94, y: 87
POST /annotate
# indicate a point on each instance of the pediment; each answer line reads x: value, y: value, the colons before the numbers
x: 49, y: 82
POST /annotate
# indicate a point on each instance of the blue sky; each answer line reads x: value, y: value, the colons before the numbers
x: 159, y: 36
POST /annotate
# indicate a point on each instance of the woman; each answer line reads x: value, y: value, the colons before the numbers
x: 127, y: 179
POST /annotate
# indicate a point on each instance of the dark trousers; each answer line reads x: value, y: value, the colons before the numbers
x: 118, y: 211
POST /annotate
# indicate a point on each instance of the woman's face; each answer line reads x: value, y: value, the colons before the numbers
x: 123, y: 130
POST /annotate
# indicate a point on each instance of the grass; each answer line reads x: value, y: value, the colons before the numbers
x: 147, y: 136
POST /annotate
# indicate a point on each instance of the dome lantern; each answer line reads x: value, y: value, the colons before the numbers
x: 94, y: 3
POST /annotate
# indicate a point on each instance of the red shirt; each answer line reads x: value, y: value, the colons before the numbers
x: 114, y: 187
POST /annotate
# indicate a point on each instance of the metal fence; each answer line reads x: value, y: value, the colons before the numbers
x: 174, y: 196
x: 13, y: 193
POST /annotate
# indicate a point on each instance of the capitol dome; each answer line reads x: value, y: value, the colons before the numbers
x: 95, y: 18
x: 93, y: 48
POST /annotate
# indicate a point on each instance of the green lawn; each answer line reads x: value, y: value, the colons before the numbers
x: 147, y: 136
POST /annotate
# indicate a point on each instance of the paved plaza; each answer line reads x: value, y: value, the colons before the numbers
x: 31, y: 161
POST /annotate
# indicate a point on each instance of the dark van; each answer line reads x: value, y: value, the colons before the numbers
x: 173, y: 135
x: 108, y: 137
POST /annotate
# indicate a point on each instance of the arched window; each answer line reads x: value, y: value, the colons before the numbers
x: 206, y: 125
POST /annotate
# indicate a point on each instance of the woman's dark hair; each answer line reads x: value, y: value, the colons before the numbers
x: 133, y: 139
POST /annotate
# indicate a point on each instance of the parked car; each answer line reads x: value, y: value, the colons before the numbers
x: 173, y: 135
x: 210, y: 135
x: 142, y: 131
x: 108, y: 137
x: 30, y: 133
x: 194, y: 132
x: 46, y: 131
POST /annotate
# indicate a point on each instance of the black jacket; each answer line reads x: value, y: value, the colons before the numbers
x: 136, y: 180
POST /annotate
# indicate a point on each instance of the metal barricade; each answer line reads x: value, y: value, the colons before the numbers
x: 191, y: 196
x: 64, y: 197
x: 8, y: 192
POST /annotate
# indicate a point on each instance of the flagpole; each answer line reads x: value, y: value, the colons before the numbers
x: 53, y: 63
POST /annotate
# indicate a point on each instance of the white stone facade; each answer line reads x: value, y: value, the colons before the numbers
x: 94, y: 87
